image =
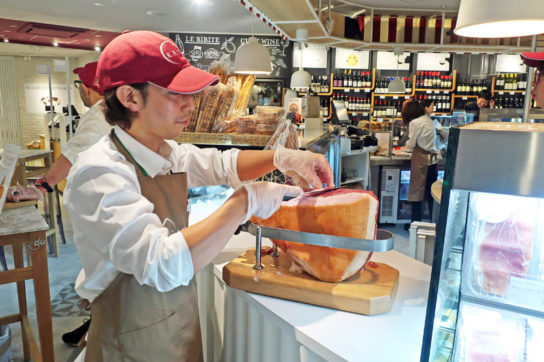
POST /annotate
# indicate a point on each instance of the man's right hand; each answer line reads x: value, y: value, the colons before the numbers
x: 264, y: 198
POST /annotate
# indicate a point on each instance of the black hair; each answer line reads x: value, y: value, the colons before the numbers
x: 485, y: 94
x: 412, y: 110
x: 115, y: 112
x: 427, y: 102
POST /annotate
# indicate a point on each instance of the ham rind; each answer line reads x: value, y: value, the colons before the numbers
x: 505, y: 251
x: 342, y: 212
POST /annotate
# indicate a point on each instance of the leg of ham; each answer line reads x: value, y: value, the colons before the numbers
x: 342, y: 212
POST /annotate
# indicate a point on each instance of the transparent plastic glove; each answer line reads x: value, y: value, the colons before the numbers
x: 313, y: 167
x: 264, y: 198
x: 23, y: 193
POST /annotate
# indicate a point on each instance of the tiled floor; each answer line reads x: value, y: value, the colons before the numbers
x: 67, y: 314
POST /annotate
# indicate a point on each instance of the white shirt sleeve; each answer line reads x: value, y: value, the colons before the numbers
x: 92, y: 126
x: 412, y: 136
x: 118, y: 231
x: 209, y: 166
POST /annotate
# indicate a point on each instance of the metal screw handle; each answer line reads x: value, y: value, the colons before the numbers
x: 35, y: 245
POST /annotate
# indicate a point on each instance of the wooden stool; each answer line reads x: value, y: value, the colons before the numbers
x: 25, y: 228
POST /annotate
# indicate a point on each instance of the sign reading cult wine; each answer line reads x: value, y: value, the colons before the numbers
x: 203, y: 49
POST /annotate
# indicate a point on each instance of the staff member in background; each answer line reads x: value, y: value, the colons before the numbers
x: 484, y: 100
x: 92, y: 126
x: 422, y: 143
x: 127, y: 197
x: 536, y: 59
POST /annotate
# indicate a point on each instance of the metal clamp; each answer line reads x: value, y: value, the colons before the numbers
x: 36, y: 244
x: 384, y: 240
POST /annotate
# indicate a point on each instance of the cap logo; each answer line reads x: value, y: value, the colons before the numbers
x: 170, y: 52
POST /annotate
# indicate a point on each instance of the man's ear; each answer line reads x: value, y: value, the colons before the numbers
x: 130, y: 97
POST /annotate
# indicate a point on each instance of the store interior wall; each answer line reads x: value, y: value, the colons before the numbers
x: 25, y: 71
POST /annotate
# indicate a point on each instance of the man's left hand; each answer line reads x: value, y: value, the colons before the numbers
x: 313, y: 167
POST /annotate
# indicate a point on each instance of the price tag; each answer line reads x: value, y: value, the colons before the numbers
x: 512, y: 93
x: 365, y: 114
x: 382, y: 97
x: 501, y: 93
x: 436, y: 91
x: 395, y: 97
x: 446, y: 92
x: 356, y: 90
x: 355, y: 113
x: 465, y: 98
x: 346, y: 90
x: 525, y: 292
x: 406, y: 97
x: 429, y: 91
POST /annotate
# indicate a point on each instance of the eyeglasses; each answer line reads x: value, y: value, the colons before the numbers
x: 77, y: 83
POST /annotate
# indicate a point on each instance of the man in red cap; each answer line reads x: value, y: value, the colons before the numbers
x: 127, y: 197
x: 92, y: 126
x: 536, y: 59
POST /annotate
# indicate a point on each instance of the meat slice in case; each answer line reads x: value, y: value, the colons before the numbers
x: 505, y: 250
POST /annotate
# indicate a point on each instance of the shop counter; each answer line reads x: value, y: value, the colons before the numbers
x: 242, y: 326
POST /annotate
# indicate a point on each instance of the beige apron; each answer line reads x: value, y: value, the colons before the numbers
x: 419, y: 165
x: 133, y: 322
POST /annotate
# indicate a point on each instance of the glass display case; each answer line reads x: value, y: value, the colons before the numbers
x: 486, y: 296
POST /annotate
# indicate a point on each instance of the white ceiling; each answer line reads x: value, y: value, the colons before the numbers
x: 199, y: 16
x: 212, y: 16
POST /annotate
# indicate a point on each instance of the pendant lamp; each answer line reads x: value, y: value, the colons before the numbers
x: 500, y: 18
x: 252, y: 57
x: 397, y: 85
x: 301, y: 79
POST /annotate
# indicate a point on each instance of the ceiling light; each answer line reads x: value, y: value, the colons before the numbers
x: 55, y: 43
x: 397, y: 85
x: 301, y: 79
x: 98, y: 4
x: 97, y: 48
x: 499, y: 18
x: 252, y: 57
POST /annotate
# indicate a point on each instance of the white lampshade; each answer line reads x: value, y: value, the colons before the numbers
x: 396, y: 86
x: 300, y: 79
x: 252, y: 58
x: 499, y: 18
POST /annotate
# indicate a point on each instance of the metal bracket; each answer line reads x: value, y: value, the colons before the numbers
x: 36, y: 244
x: 384, y: 240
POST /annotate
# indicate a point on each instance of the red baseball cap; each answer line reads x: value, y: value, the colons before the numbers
x: 87, y: 74
x: 533, y: 59
x: 145, y: 56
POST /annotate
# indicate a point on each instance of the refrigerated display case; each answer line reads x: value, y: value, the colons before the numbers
x: 486, y: 296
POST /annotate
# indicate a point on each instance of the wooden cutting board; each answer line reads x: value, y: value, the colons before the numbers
x: 368, y: 292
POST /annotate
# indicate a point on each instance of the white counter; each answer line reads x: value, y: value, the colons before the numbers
x: 261, y: 328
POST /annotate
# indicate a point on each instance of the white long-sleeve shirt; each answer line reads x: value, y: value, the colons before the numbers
x: 92, y: 126
x: 115, y: 229
x: 421, y: 131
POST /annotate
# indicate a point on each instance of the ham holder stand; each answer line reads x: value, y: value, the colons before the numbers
x: 370, y: 291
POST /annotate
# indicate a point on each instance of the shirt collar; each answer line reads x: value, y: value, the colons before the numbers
x: 150, y: 161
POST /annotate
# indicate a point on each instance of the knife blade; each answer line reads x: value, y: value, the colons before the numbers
x: 312, y: 192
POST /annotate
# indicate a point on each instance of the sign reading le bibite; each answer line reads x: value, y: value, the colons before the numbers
x: 203, y: 49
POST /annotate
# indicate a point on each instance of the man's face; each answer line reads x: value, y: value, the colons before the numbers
x: 538, y: 88
x: 165, y: 114
x: 85, y: 95
x: 482, y: 102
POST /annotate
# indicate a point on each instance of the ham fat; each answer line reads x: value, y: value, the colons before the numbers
x: 342, y: 212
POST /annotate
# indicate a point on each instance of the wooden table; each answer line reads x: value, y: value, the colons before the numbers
x: 25, y: 171
x: 24, y: 228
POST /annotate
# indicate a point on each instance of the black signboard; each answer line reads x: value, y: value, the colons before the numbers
x: 203, y: 49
